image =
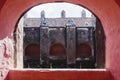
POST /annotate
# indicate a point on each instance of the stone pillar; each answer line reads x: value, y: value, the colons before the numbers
x: 43, y: 19
x: 42, y: 14
x: 44, y: 46
x: 83, y: 14
x: 44, y: 41
x: 93, y: 21
x: 63, y: 14
x: 71, y: 43
x: 92, y: 40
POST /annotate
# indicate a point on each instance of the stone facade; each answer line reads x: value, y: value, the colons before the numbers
x: 77, y: 36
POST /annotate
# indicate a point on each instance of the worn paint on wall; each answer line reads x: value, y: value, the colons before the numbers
x: 6, y: 57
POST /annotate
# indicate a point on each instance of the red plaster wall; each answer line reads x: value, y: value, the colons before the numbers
x: 108, y: 12
x: 2, y: 3
x: 118, y: 2
x: 58, y: 75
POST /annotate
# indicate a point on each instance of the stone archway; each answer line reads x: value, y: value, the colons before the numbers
x: 57, y: 50
x: 85, y: 56
x: 84, y: 50
x: 32, y: 50
x: 58, y: 56
x: 32, y: 56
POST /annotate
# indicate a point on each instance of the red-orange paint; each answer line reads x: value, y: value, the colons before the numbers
x: 58, y: 75
x: 107, y: 11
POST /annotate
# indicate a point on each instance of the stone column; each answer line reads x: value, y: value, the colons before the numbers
x: 83, y: 14
x: 63, y: 14
x: 71, y: 43
x: 44, y: 46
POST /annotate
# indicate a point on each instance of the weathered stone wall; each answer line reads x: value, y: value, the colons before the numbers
x: 31, y: 35
x: 6, y: 57
x: 58, y: 22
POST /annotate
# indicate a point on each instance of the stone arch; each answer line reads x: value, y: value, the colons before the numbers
x: 37, y: 4
x: 83, y: 50
x: 32, y: 50
x: 48, y: 1
x: 31, y: 56
x: 57, y: 50
x: 57, y: 56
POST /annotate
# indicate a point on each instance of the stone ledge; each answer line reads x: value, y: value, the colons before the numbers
x: 56, y: 74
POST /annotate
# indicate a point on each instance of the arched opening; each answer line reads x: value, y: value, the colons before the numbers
x: 57, y: 56
x: 32, y: 56
x: 85, y: 56
x: 78, y: 35
x: 32, y: 50
x: 58, y: 50
x: 84, y: 51
x: 110, y: 22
